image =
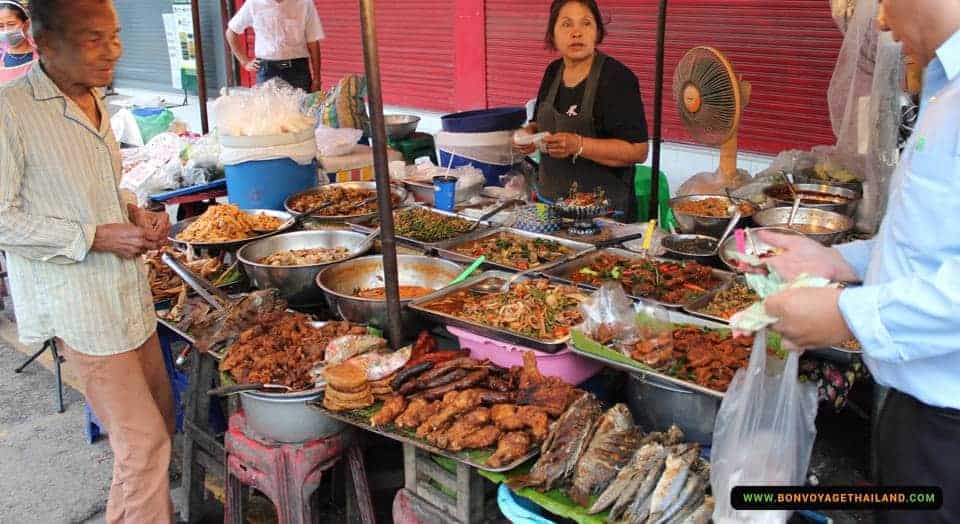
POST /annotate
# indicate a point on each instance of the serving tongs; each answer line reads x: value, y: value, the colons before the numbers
x: 233, y: 389
x: 491, y: 214
x: 299, y: 218
x: 212, y: 294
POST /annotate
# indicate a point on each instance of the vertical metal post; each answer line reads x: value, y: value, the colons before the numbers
x: 201, y: 76
x: 658, y: 112
x: 371, y: 60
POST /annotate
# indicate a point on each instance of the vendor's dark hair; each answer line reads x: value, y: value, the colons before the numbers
x: 17, y: 8
x: 48, y: 15
x: 555, y: 8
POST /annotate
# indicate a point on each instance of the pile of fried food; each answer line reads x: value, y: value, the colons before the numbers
x: 707, y: 357
x: 669, y: 282
x: 226, y: 223
x: 214, y: 328
x: 717, y: 207
x: 534, y: 308
x: 282, y: 348
x: 165, y: 284
x: 306, y: 257
x: 640, y: 478
x: 731, y: 301
x: 343, y: 201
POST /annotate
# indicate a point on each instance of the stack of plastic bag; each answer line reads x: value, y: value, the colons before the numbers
x: 154, y: 167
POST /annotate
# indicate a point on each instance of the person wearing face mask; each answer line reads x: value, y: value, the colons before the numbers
x: 591, y: 105
x: 17, y: 55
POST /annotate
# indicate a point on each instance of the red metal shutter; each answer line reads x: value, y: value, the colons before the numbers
x: 785, y: 48
x: 416, y: 49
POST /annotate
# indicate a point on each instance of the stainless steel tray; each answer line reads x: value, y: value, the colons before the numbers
x: 448, y: 249
x: 632, y: 366
x: 474, y: 458
x: 177, y: 228
x: 418, y: 305
x: 365, y: 217
x: 426, y: 246
x: 563, y: 272
x: 695, y: 307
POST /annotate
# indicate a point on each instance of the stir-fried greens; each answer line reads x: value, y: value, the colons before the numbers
x: 515, y: 251
x: 426, y: 226
x: 670, y: 282
x: 533, y: 308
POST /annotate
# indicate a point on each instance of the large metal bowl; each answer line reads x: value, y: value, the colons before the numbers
x: 673, y: 251
x: 730, y: 243
x: 656, y: 405
x: 400, y: 126
x: 829, y: 226
x: 340, y: 281
x: 400, y: 192
x: 807, y: 176
x: 177, y: 228
x: 287, y: 418
x: 849, y: 208
x: 704, y: 225
x: 297, y: 284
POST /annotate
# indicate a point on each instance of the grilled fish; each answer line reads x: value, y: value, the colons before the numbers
x: 701, y: 514
x: 674, y: 478
x: 613, y: 445
x: 634, y: 507
x: 691, y: 495
x: 569, y: 439
x: 631, y: 477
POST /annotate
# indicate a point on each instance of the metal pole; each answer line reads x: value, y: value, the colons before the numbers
x: 201, y: 76
x: 371, y: 60
x: 658, y: 112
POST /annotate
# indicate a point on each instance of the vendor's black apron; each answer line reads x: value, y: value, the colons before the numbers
x: 557, y: 174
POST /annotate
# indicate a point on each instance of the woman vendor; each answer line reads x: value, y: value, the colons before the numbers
x: 591, y: 105
x: 16, y: 49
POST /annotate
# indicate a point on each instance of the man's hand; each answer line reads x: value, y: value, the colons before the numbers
x: 804, y: 255
x: 252, y: 66
x: 155, y: 225
x: 809, y: 317
x: 316, y: 85
x: 124, y: 240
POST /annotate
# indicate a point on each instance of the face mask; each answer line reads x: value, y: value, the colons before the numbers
x: 12, y: 38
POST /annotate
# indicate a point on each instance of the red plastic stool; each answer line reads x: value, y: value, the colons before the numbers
x: 287, y: 474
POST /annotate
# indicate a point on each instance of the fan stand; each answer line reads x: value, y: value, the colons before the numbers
x: 728, y: 150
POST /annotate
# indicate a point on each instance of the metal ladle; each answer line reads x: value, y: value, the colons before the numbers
x: 737, y: 215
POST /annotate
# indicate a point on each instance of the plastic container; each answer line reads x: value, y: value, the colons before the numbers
x: 517, y: 509
x: 265, y: 184
x: 490, y: 152
x: 485, y: 120
x: 444, y: 192
x: 567, y: 365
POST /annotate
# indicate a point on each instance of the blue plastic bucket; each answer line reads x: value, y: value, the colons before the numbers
x: 265, y: 184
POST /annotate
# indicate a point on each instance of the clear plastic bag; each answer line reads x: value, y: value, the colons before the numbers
x: 336, y: 141
x: 715, y: 183
x: 609, y: 315
x: 270, y: 109
x: 764, y: 433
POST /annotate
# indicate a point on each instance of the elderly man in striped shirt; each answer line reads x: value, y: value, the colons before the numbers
x: 73, y: 242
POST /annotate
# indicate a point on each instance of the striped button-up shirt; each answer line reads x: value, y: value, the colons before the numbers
x: 59, y: 179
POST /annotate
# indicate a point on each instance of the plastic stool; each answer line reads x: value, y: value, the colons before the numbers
x: 288, y: 474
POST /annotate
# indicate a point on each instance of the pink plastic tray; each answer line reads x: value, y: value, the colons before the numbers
x: 570, y: 367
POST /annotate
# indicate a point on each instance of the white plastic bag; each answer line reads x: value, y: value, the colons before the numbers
x: 337, y: 142
x: 271, y: 108
x: 764, y: 433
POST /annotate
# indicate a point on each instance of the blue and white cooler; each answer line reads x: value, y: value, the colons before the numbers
x: 482, y: 139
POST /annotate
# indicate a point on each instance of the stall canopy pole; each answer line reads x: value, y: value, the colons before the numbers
x: 371, y: 62
x: 658, y: 112
x: 201, y: 75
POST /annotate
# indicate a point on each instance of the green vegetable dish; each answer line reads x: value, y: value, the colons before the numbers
x: 423, y: 225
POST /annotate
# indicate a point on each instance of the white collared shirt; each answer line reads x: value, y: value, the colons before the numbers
x: 283, y: 29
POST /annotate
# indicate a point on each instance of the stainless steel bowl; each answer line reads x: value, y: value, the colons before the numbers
x: 177, y: 228
x: 339, y: 283
x: 829, y: 226
x: 703, y: 225
x: 287, y: 417
x: 400, y: 126
x: 400, y: 192
x: 297, y: 284
x: 657, y: 405
x: 849, y: 208
x: 730, y: 243
x: 667, y: 243
x: 807, y: 176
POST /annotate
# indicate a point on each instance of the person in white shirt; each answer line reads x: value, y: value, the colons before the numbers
x: 288, y: 34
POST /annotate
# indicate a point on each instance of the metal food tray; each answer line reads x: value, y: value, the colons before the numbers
x: 426, y: 246
x: 354, y: 418
x: 359, y: 218
x: 636, y: 368
x: 419, y: 305
x: 447, y: 249
x: 177, y: 228
x: 563, y: 272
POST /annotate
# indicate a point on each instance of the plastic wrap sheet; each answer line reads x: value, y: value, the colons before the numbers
x: 864, y: 99
x: 271, y: 108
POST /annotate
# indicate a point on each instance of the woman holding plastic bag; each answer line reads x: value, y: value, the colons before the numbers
x: 907, y: 313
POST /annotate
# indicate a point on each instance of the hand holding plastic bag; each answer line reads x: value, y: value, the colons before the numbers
x: 764, y: 433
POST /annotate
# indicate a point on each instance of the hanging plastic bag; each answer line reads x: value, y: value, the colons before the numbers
x: 336, y: 141
x: 764, y: 433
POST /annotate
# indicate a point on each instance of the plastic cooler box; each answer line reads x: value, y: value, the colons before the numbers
x: 480, y: 138
x: 265, y: 184
x: 567, y: 365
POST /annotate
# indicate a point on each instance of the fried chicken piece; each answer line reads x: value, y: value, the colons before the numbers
x: 511, y: 447
x: 505, y: 417
x: 463, y: 402
x: 418, y: 410
x: 551, y: 394
x: 537, y: 420
x: 474, y: 438
x: 392, y: 408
